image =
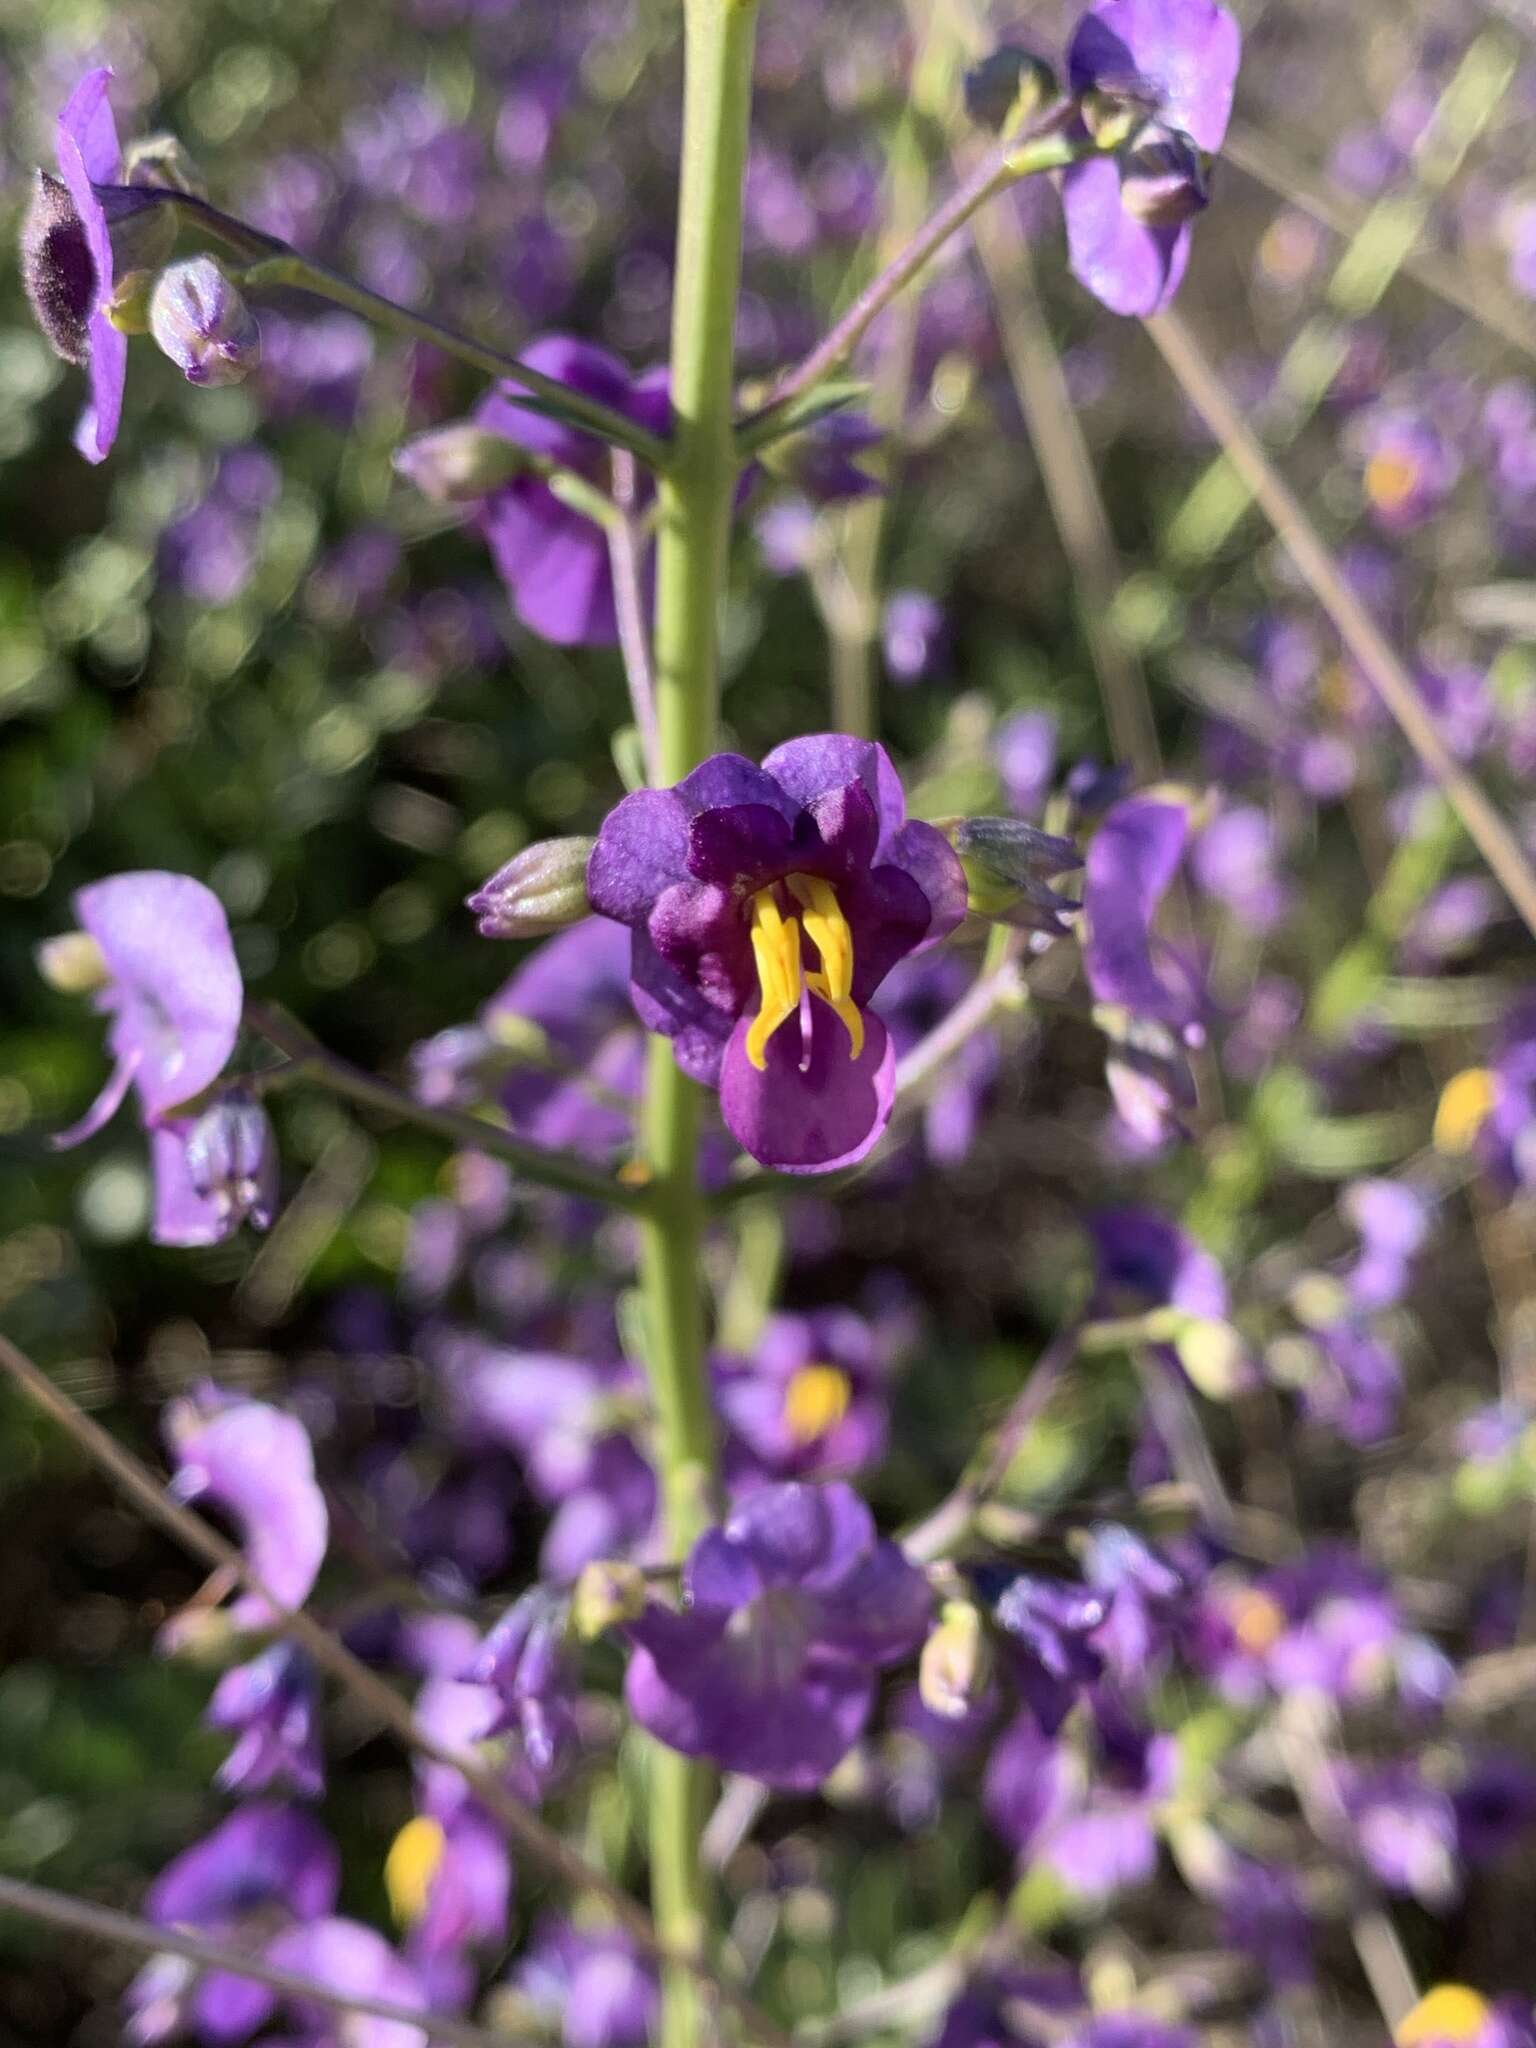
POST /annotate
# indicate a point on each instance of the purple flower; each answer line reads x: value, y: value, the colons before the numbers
x: 1088, y: 1817
x: 172, y: 991
x: 256, y: 1465
x: 913, y: 634
x: 261, y: 1867
x: 1050, y: 1625
x: 767, y: 906
x: 1148, y: 1001
x: 79, y: 256
x: 564, y: 1417
x: 528, y: 1659
x: 1174, y: 65
x: 589, y: 1984
x: 1263, y: 1915
x: 1410, y: 465
x: 1404, y: 1830
x: 450, y: 1886
x: 272, y: 1705
x: 811, y: 1400
x: 349, y: 1958
x: 552, y: 558
x: 789, y: 1610
x: 1393, y: 1221
x: 213, y: 1172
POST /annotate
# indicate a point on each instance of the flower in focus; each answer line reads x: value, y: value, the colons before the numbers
x: 255, y: 1465
x: 171, y: 986
x: 67, y: 259
x: 767, y: 906
x: 790, y: 1610
x: 199, y: 319
x: 1167, y: 69
x: 261, y: 1868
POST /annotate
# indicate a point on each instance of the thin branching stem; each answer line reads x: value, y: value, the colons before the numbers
x: 1487, y: 830
x: 103, y: 1923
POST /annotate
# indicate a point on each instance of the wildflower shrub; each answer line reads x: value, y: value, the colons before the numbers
x: 809, y: 1045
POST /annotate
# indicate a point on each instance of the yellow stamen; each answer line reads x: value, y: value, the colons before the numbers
x: 1466, y: 1103
x: 1390, y: 481
x: 827, y: 929
x: 815, y: 1401
x: 1448, y: 2013
x: 776, y: 949
x: 413, y: 1860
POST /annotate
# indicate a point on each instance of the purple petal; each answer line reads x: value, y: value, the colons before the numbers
x: 699, y: 930
x: 107, y: 376
x: 881, y: 1609
x: 586, y: 368
x: 927, y: 856
x: 102, y: 1110
x: 641, y: 850
x: 88, y: 140
x: 722, y: 1571
x: 257, y: 1465
x: 1183, y: 54
x: 727, y: 779
x: 745, y: 845
x: 176, y: 986
x: 1133, y: 859
x: 809, y: 768
x: 352, y: 1959
x: 817, y: 1120
x: 1129, y: 267
x: 181, y: 1215
x: 665, y: 1002
x: 787, y: 1724
x: 803, y: 1535
x: 261, y: 1855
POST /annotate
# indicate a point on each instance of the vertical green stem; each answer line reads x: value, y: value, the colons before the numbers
x: 695, y: 507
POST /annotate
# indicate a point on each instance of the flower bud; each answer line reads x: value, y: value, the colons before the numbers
x: 161, y: 161
x: 1010, y: 866
x: 73, y: 964
x: 956, y: 1662
x: 201, y: 322
x: 458, y: 463
x: 232, y: 1162
x: 57, y: 272
x: 607, y: 1592
x: 539, y: 890
x: 1007, y: 88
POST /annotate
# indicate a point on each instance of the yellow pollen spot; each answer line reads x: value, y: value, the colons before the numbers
x: 776, y: 949
x: 1466, y: 1103
x: 409, y: 1868
x: 1390, y: 481
x: 1258, y: 1622
x: 815, y: 1401
x: 827, y: 929
x: 1450, y: 2013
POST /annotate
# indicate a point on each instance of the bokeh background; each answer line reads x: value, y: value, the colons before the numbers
x: 245, y: 649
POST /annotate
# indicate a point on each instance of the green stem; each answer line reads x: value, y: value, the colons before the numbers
x: 295, y: 272
x: 696, y: 494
